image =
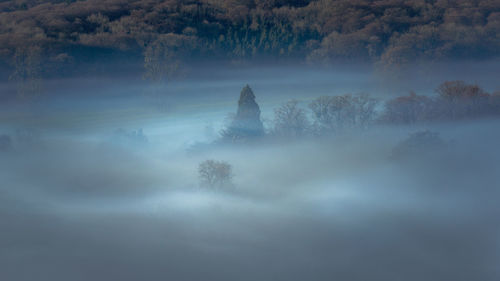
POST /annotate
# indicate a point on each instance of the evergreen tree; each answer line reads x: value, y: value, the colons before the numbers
x: 246, y: 123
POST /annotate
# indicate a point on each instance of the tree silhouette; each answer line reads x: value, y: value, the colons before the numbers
x: 246, y: 123
x: 215, y: 174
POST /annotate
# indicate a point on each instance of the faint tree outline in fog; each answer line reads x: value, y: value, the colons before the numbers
x: 456, y: 100
x: 162, y: 58
x: 418, y: 144
x: 246, y: 123
x: 27, y: 71
x: 335, y: 113
x: 215, y: 175
x: 409, y: 109
x: 462, y: 100
x: 134, y: 137
x: 162, y: 63
x: 290, y: 120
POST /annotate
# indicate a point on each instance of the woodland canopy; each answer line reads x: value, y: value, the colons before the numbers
x: 154, y: 32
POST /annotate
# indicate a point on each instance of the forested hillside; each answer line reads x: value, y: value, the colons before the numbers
x: 158, y: 33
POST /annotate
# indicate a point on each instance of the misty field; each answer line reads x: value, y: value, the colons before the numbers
x: 249, y: 140
x: 111, y: 190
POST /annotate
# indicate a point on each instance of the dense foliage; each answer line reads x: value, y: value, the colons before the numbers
x: 246, y: 123
x: 164, y: 33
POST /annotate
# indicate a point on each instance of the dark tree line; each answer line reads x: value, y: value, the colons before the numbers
x: 163, y: 34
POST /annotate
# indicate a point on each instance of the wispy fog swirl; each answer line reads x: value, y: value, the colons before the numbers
x: 92, y: 202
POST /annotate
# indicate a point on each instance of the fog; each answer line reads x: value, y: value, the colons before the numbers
x: 82, y: 200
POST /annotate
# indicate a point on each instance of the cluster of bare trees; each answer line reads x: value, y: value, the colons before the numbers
x: 290, y: 120
x: 455, y: 100
x: 330, y: 114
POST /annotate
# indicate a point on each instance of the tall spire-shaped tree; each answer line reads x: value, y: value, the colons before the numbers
x: 246, y: 123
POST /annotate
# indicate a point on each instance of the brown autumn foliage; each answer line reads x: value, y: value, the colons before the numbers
x: 390, y: 32
x: 455, y: 100
x: 408, y: 109
x: 329, y: 115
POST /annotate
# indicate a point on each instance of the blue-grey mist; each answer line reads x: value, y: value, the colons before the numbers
x: 82, y: 200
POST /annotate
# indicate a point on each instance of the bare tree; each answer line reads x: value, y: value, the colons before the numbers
x: 290, y: 120
x: 334, y: 113
x: 215, y: 174
x: 365, y: 109
x: 409, y: 109
x: 323, y: 113
x: 461, y: 100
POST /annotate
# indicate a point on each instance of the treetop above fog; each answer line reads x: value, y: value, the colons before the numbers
x: 330, y: 115
x: 246, y: 123
x: 247, y: 107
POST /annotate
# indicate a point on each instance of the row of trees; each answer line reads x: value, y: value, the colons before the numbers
x: 330, y: 114
x: 165, y: 32
x: 455, y: 100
